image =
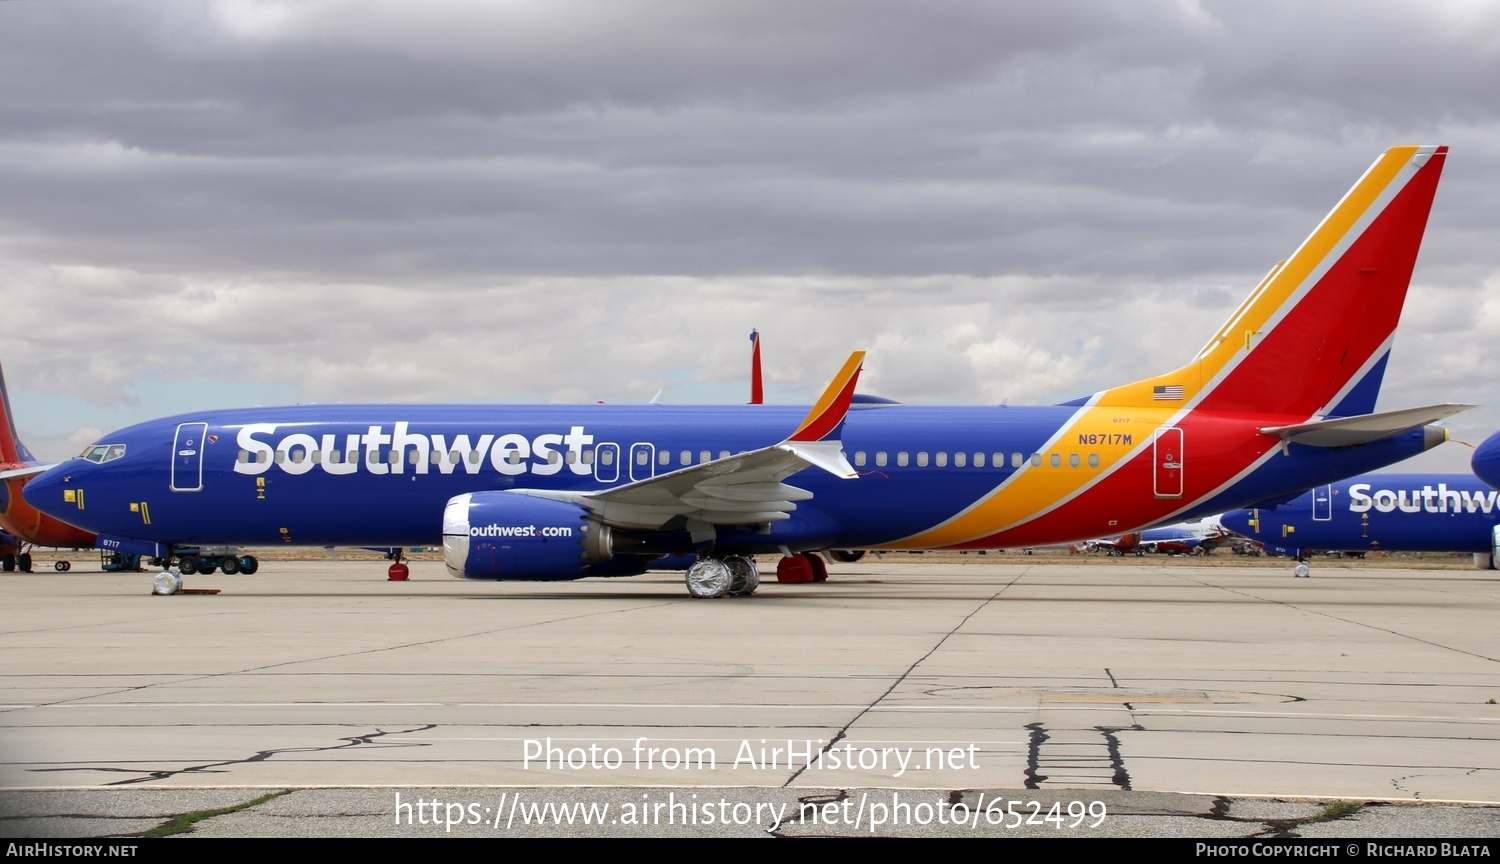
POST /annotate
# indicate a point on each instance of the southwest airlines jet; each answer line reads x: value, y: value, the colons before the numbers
x: 1281, y: 398
x: 1379, y: 512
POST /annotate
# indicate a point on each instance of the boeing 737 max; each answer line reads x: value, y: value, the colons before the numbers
x: 1278, y: 400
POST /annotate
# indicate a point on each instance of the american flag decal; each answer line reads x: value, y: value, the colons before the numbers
x: 1170, y: 391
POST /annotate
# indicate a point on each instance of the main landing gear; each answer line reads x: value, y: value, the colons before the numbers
x: 734, y: 575
x: 737, y: 575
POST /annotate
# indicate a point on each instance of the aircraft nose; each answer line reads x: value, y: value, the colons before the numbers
x: 47, y: 490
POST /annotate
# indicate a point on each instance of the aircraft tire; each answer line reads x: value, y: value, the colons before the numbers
x: 744, y: 576
x: 229, y: 564
x: 249, y: 564
x: 708, y: 577
x: 8, y: 562
x: 188, y: 564
x: 847, y: 556
x: 23, y: 562
x: 62, y: 566
x: 166, y: 583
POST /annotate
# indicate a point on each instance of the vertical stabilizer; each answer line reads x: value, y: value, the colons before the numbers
x: 12, y: 451
x: 1314, y: 337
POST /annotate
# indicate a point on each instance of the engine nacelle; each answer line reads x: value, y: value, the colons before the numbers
x: 507, y: 535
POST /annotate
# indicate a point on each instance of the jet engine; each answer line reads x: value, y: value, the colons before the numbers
x: 508, y: 535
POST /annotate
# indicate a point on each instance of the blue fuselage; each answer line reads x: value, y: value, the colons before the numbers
x: 1391, y: 512
x: 380, y: 475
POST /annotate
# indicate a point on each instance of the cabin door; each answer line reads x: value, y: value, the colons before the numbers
x: 1323, y: 503
x: 187, y: 457
x: 1166, y: 449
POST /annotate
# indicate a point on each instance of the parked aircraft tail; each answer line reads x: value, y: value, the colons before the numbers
x: 1313, y: 338
x: 13, y: 454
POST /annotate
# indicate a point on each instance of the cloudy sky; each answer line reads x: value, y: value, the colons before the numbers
x: 231, y: 202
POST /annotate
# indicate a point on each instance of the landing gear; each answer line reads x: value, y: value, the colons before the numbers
x: 23, y: 562
x: 709, y: 577
x: 744, y: 576
x: 8, y: 562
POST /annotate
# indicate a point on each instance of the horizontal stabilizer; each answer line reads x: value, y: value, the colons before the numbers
x: 1349, y: 431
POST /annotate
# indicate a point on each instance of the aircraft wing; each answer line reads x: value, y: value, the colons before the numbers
x: 744, y: 489
x: 1349, y: 431
x: 25, y: 471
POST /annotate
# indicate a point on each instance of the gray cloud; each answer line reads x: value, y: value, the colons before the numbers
x: 463, y: 200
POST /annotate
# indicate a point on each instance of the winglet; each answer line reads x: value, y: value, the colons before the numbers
x: 828, y: 412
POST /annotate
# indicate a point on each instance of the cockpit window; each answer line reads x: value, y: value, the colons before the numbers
x: 101, y: 453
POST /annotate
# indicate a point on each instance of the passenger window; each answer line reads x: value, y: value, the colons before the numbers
x: 880, y: 458
x: 686, y: 458
x: 922, y: 459
x: 960, y: 459
x: 1093, y: 460
x: 664, y: 458
x: 474, y: 457
x: 243, y: 457
x: 941, y: 458
x: 1056, y: 460
x: 723, y: 454
x: 641, y: 457
x: 902, y: 459
x: 554, y: 457
x: 979, y: 461
x: 607, y: 457
x: 859, y: 459
x: 1072, y: 460
x: 1036, y: 460
x: 705, y: 456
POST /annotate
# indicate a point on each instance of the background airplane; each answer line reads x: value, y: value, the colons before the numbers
x: 1202, y: 536
x: 1380, y: 512
x: 1281, y: 396
x: 28, y: 526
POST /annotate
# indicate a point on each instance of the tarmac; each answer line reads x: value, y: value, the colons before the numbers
x: 1003, y: 695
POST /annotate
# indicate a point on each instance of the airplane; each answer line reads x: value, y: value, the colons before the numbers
x: 1281, y: 397
x: 1202, y: 536
x: 1380, y: 512
x: 1486, y: 460
x: 28, y: 527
